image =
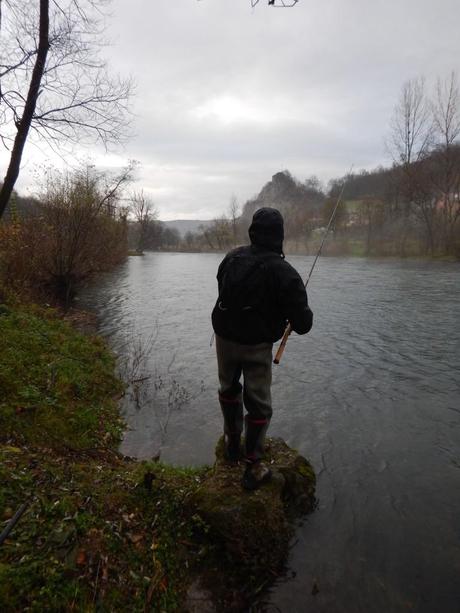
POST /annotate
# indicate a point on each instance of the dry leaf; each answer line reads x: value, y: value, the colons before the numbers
x: 136, y: 538
x: 81, y: 557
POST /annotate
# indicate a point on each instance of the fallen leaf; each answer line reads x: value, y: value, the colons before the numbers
x: 136, y: 538
x: 81, y: 557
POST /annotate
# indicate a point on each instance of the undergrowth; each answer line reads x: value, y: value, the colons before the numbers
x: 57, y: 387
x: 99, y: 533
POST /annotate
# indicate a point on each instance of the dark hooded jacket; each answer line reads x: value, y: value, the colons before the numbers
x: 285, y: 298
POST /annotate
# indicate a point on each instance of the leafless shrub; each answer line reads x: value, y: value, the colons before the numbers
x: 133, y: 360
x: 144, y: 213
x: 76, y: 231
x: 151, y: 387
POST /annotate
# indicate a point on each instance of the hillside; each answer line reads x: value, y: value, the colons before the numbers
x: 287, y: 194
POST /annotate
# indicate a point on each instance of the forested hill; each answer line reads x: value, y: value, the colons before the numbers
x: 376, y: 183
x: 287, y: 194
x: 408, y: 209
x: 290, y: 195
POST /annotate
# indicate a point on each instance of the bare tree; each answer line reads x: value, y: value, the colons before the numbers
x: 446, y: 110
x: 445, y: 173
x: 222, y: 230
x: 144, y: 213
x: 371, y: 214
x: 208, y: 236
x: 411, y: 142
x: 411, y: 124
x: 234, y: 213
x: 425, y: 139
x: 54, y: 83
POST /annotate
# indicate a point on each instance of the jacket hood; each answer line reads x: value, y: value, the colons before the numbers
x: 267, y: 229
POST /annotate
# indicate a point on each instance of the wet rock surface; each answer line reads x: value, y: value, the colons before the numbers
x: 250, y: 531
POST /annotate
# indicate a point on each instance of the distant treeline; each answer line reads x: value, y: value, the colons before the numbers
x: 412, y: 208
x: 79, y: 225
x: 82, y: 222
x: 399, y: 211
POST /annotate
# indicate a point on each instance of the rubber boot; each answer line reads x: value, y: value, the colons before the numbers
x: 232, y: 410
x: 256, y: 430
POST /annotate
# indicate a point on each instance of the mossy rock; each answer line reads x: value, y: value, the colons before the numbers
x: 293, y: 479
x: 251, y: 531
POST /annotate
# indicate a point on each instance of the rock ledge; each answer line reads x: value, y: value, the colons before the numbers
x: 251, y: 530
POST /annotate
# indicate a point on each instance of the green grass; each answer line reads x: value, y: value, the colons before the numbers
x: 103, y: 533
x: 352, y: 206
x: 94, y: 537
x: 57, y: 387
x: 97, y: 535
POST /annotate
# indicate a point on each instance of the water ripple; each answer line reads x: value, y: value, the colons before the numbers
x: 371, y: 396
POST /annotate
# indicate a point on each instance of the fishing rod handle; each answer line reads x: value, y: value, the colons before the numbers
x: 284, y: 340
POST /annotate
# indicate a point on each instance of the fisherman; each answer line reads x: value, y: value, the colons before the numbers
x: 259, y: 293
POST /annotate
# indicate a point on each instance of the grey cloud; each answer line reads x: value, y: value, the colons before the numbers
x: 318, y: 83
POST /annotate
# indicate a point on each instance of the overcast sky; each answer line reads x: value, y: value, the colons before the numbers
x: 227, y: 95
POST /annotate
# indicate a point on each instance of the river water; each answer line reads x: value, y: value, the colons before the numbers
x: 370, y: 396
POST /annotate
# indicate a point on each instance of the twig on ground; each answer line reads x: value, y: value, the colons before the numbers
x: 13, y: 521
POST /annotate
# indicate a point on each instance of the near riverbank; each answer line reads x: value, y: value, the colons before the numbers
x: 92, y: 535
x: 100, y: 531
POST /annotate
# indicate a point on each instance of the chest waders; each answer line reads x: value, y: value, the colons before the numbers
x: 254, y: 363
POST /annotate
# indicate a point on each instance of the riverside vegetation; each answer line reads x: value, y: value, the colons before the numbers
x: 101, y: 531
x: 104, y: 532
x: 377, y: 217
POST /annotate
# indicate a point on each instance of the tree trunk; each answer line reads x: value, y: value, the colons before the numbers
x: 430, y: 240
x: 29, y: 108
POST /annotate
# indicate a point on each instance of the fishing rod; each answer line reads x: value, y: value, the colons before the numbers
x: 288, y: 330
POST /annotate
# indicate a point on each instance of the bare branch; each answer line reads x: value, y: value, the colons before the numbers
x: 23, y: 124
x: 11, y: 68
x: 145, y: 213
x: 446, y: 109
x: 73, y: 98
x: 411, y: 126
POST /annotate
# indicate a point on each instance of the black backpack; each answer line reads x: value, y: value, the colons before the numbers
x: 244, y: 283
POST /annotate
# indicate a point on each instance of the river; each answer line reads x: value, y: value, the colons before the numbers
x: 370, y: 396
